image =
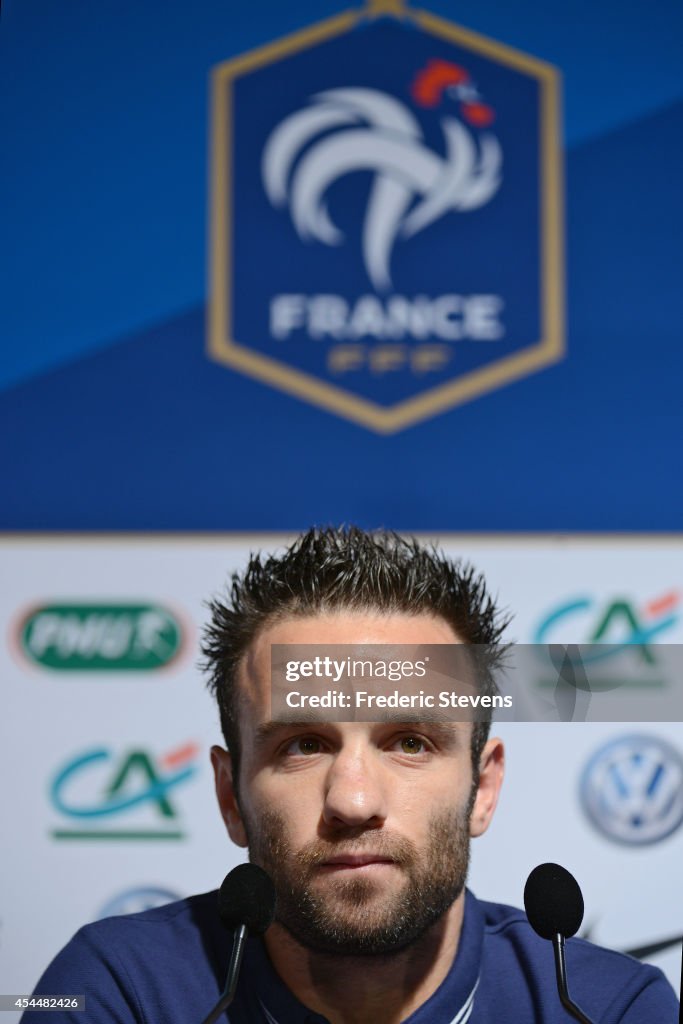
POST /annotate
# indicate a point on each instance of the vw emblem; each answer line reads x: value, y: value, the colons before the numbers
x: 632, y: 790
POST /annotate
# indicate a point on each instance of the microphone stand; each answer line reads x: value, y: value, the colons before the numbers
x: 561, y: 974
x: 238, y: 944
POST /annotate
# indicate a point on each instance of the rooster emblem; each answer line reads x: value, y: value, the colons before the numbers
x: 360, y: 129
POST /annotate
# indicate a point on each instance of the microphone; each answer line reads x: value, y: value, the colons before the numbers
x: 554, y: 906
x: 247, y: 897
x: 246, y: 905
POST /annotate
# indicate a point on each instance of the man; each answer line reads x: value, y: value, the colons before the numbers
x: 364, y: 827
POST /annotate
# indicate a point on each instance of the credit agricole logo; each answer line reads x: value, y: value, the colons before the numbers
x: 100, y: 637
x: 105, y: 793
x: 619, y: 637
x: 386, y: 215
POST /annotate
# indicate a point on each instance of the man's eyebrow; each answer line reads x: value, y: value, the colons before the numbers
x: 442, y: 732
x: 445, y: 732
x: 267, y: 730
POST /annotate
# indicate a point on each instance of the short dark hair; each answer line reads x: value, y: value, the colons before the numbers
x: 346, y: 568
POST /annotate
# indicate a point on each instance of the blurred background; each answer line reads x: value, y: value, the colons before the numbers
x: 272, y: 265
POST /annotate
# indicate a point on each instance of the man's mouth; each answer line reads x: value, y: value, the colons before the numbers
x: 355, y: 861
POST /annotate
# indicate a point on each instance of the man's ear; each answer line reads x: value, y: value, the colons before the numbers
x: 491, y: 769
x: 227, y: 799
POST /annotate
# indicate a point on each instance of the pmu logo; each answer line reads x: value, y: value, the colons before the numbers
x: 131, y: 795
x: 616, y: 632
x: 632, y: 790
x: 101, y: 637
x: 386, y: 216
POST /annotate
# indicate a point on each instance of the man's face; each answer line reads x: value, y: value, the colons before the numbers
x: 364, y: 827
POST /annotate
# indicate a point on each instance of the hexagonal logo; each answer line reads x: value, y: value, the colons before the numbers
x: 386, y: 215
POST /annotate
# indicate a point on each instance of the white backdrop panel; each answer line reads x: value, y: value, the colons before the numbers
x: 166, y: 722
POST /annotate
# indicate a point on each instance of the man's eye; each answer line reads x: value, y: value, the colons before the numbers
x: 304, y: 745
x: 412, y: 745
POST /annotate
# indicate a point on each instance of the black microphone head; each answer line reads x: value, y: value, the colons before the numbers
x: 553, y: 901
x: 247, y: 896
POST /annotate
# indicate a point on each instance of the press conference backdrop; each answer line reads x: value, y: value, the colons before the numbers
x: 268, y: 265
x: 108, y: 802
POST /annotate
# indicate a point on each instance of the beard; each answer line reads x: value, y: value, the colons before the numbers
x: 356, y: 916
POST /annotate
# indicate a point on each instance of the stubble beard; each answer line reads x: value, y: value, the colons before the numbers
x: 352, y: 916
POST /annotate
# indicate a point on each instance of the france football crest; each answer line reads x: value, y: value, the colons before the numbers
x: 386, y: 223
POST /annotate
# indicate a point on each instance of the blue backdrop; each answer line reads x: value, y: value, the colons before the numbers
x: 113, y: 417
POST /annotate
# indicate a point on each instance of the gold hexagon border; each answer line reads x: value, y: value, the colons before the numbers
x: 224, y: 349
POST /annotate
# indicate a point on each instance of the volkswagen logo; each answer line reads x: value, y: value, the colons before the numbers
x: 632, y: 790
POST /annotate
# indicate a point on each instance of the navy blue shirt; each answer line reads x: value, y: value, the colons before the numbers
x: 168, y: 966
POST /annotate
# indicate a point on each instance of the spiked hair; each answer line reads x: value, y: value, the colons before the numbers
x: 347, y: 569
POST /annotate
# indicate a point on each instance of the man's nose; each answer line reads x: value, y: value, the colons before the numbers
x: 355, y: 791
